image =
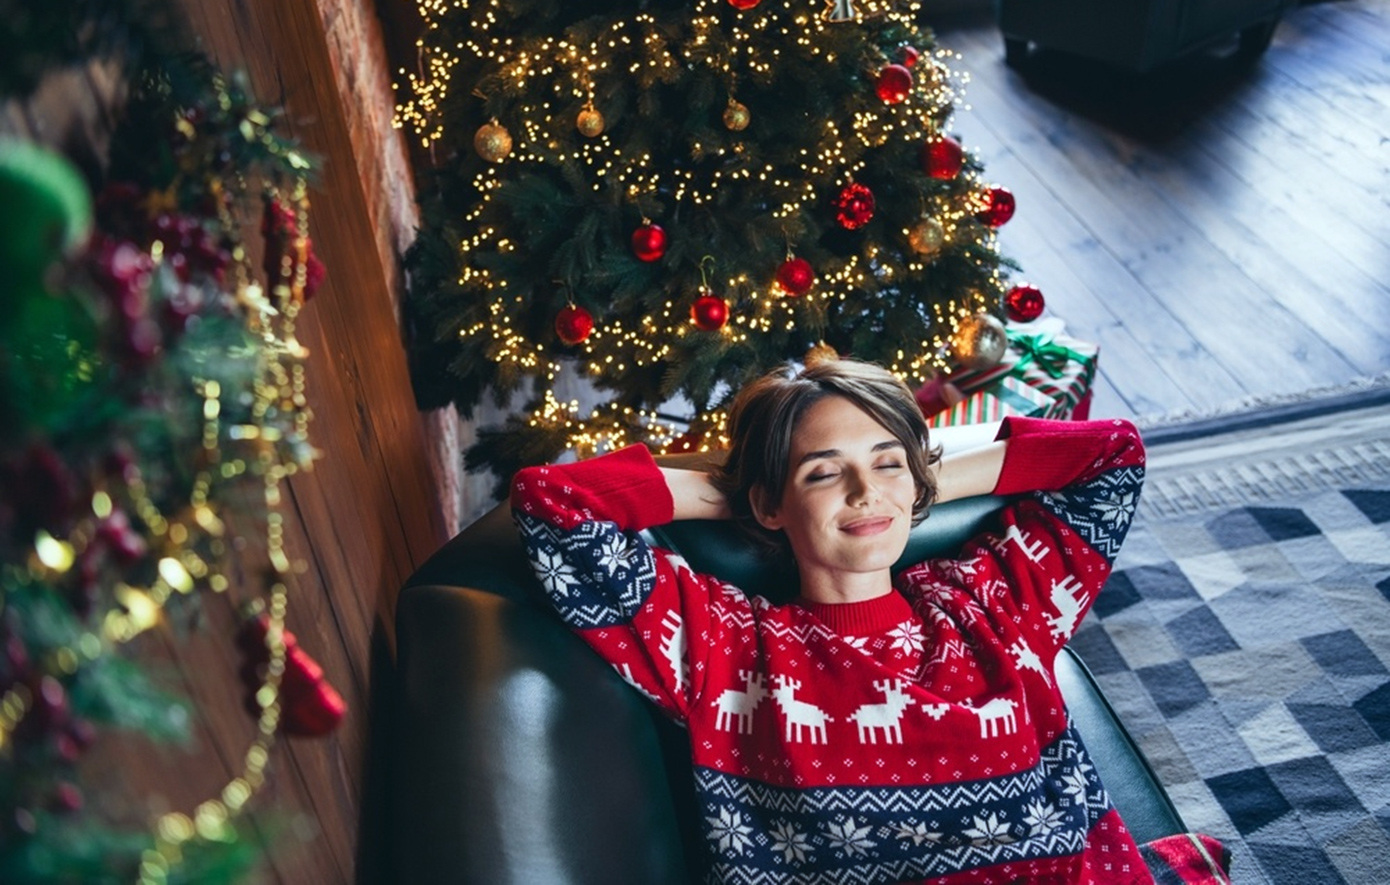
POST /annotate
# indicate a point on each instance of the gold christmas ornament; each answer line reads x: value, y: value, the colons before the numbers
x: 736, y: 116
x: 979, y: 342
x: 492, y: 142
x: 820, y: 353
x: 926, y: 237
x: 590, y: 122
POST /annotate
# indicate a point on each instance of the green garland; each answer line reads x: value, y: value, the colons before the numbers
x: 154, y: 397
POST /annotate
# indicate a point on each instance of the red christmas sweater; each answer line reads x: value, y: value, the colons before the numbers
x: 918, y: 736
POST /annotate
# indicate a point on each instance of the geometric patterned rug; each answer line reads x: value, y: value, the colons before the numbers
x: 1244, y: 639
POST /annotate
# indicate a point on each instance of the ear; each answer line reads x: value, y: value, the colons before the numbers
x: 766, y: 516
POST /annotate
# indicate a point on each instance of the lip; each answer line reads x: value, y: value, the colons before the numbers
x: 872, y: 525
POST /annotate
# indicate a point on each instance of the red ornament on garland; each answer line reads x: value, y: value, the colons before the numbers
x: 854, y: 206
x: 649, y: 242
x: 999, y: 207
x: 709, y: 312
x: 574, y: 324
x: 1025, y: 303
x: 894, y: 83
x: 942, y: 158
x: 796, y: 276
x: 309, y: 706
x: 908, y: 55
x: 743, y: 4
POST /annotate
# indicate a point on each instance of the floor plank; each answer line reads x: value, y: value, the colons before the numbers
x: 1219, y: 231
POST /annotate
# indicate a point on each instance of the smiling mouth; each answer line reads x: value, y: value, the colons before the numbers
x: 872, y: 526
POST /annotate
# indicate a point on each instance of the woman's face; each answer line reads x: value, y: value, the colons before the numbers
x: 847, y: 506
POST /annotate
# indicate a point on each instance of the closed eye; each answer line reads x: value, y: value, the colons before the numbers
x: 817, y: 477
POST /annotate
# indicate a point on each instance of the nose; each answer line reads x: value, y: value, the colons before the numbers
x: 862, y: 489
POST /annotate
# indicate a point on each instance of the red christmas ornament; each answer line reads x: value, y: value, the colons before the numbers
x: 743, y: 4
x: 309, y: 706
x: 894, y: 83
x: 573, y: 324
x: 648, y: 242
x: 1025, y: 303
x: 999, y: 207
x: 709, y: 312
x: 854, y: 206
x: 942, y: 157
x: 908, y: 55
x: 796, y: 276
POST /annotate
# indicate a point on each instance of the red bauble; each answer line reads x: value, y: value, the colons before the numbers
x: 573, y: 324
x: 796, y: 276
x: 743, y: 4
x: 1025, y: 303
x: 710, y: 312
x: 908, y: 55
x: 309, y: 705
x: 894, y: 83
x: 854, y: 206
x: 649, y: 242
x: 942, y: 157
x: 999, y: 207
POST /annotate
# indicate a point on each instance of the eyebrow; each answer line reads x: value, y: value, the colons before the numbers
x: 835, y: 453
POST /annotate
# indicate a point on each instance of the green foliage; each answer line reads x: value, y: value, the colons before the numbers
x: 68, y: 851
x: 120, y: 467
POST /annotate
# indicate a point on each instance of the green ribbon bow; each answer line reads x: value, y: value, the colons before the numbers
x: 1044, y: 350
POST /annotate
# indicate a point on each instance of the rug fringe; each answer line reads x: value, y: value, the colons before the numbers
x: 1295, y: 404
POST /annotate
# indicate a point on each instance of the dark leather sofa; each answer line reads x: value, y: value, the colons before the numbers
x: 518, y: 756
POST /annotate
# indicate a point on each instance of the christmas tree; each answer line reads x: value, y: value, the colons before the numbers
x: 675, y: 197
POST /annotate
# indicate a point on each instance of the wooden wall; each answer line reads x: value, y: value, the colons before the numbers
x: 386, y: 492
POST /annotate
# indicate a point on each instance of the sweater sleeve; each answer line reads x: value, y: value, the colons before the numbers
x: 1054, y: 548
x: 640, y: 607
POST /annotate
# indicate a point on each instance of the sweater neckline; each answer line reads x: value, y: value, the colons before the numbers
x: 863, y: 618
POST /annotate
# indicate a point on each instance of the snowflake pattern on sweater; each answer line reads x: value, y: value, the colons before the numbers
x: 919, y: 736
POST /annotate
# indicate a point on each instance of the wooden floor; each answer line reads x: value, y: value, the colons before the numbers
x: 1223, y: 233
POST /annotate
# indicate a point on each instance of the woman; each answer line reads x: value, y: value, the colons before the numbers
x: 876, y: 728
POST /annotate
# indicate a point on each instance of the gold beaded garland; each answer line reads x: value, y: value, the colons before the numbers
x: 493, y: 142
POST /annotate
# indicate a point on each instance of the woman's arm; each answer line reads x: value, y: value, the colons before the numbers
x: 968, y: 473
x: 695, y: 497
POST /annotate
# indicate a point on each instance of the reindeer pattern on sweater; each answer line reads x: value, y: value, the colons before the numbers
x: 919, y: 736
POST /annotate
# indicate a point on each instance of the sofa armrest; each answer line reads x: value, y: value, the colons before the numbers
x: 1145, y: 808
x: 521, y: 756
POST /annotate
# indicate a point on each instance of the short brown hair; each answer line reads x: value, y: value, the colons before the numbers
x: 764, y: 417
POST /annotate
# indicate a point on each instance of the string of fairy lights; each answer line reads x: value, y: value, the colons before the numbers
x: 551, y: 74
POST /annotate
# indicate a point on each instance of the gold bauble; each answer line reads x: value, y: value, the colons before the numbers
x: 492, y: 142
x: 926, y: 237
x: 979, y: 342
x: 590, y: 122
x: 736, y: 117
x: 820, y: 353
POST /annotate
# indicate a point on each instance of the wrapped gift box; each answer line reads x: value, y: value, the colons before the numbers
x: 1044, y: 374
